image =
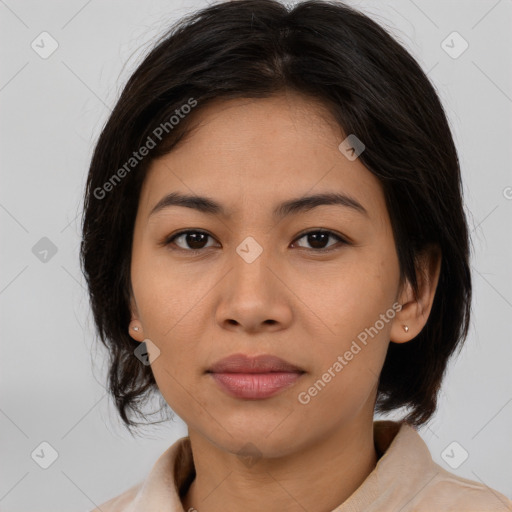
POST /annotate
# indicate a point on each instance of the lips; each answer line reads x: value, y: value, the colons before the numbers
x: 240, y: 363
x: 254, y: 378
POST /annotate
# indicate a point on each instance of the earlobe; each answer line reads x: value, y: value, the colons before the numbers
x: 416, y: 307
x: 135, y: 328
x: 135, y: 331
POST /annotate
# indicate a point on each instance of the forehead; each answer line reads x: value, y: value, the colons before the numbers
x: 280, y: 120
x: 264, y: 150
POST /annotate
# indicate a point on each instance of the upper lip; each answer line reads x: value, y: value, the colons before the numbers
x: 241, y: 363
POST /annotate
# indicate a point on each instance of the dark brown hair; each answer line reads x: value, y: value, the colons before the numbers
x: 373, y: 87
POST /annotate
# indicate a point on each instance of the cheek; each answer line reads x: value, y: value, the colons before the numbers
x: 164, y: 294
x: 352, y: 295
x: 346, y: 367
x: 168, y: 303
x: 353, y: 313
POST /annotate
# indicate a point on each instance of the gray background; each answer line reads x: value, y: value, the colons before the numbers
x: 52, y: 110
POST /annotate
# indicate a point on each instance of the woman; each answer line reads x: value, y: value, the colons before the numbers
x: 274, y: 240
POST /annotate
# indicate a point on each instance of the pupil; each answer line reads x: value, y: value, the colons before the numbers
x: 192, y: 238
x: 313, y: 239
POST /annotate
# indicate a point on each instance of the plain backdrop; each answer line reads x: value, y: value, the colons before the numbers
x: 52, y: 111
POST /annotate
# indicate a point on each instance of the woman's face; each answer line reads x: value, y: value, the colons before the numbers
x: 258, y: 284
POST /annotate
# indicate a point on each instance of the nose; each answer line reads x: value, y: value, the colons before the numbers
x: 253, y: 296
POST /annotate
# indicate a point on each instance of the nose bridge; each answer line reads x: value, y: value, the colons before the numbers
x: 250, y: 262
x: 250, y: 296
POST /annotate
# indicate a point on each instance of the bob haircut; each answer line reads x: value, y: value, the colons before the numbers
x: 373, y: 88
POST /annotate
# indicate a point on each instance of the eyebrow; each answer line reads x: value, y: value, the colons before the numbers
x: 301, y: 204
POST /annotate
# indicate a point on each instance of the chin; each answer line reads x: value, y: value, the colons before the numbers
x: 268, y: 439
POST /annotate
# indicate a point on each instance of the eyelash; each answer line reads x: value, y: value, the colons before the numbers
x: 169, y: 240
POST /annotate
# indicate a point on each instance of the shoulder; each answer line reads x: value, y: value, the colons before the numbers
x: 409, y: 480
x: 120, y: 502
x: 447, y: 491
x: 156, y: 491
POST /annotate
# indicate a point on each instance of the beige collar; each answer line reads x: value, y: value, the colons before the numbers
x: 405, y: 479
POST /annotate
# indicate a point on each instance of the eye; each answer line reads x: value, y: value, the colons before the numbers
x: 318, y: 239
x: 195, y: 240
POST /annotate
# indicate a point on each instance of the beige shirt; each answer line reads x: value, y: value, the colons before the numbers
x: 405, y: 479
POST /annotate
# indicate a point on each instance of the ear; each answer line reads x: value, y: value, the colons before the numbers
x: 416, y: 310
x: 135, y: 322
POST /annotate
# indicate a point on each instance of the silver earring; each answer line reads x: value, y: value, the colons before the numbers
x: 135, y: 328
x: 406, y: 328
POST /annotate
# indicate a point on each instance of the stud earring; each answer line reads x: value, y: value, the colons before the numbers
x: 406, y: 328
x: 135, y: 328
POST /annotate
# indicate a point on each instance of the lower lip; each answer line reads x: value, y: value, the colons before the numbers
x: 255, y: 386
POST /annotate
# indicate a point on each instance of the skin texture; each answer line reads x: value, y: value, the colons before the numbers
x: 293, y: 301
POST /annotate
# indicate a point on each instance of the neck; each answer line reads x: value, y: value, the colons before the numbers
x: 319, y: 477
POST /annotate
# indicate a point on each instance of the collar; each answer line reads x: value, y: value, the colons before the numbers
x: 404, y: 468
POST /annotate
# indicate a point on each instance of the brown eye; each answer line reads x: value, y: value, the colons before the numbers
x: 189, y: 240
x: 318, y: 240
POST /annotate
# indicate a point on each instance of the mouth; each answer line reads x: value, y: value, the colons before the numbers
x: 254, y: 378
